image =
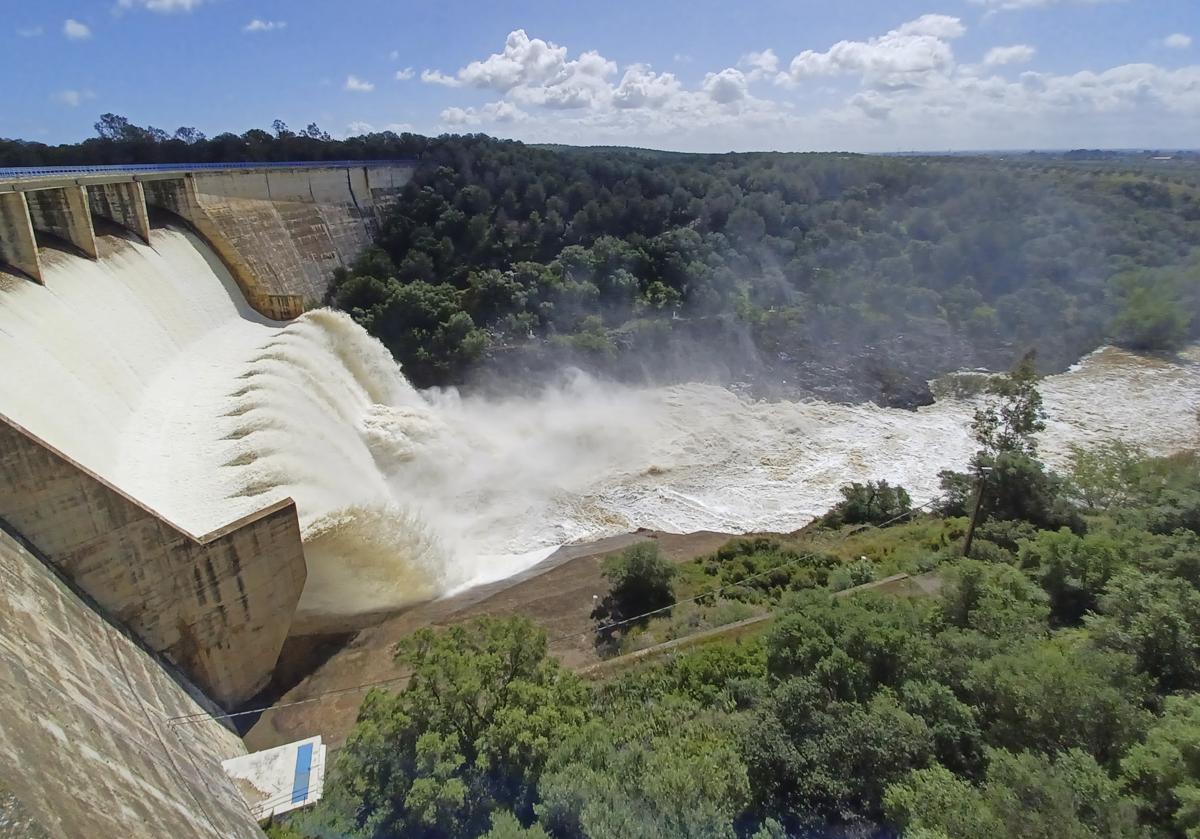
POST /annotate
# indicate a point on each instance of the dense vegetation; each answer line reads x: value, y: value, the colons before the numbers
x: 847, y: 276
x: 1048, y: 687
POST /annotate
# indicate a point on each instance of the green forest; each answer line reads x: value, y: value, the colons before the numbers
x: 1047, y: 685
x: 847, y: 277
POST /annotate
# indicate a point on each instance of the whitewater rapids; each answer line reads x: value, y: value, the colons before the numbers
x: 148, y: 367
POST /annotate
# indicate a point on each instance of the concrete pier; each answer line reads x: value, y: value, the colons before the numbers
x: 64, y: 212
x: 219, y: 606
x: 123, y: 204
x: 18, y: 247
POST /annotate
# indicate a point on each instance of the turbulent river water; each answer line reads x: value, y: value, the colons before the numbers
x: 147, y: 367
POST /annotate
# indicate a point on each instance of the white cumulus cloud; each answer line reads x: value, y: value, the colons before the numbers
x: 1177, y: 41
x: 727, y: 86
x: 535, y: 72
x: 641, y: 87
x: 903, y: 89
x: 907, y: 55
x: 523, y: 60
x: 937, y: 26
x: 357, y: 85
x: 500, y: 111
x: 405, y: 74
x: 76, y: 31
x: 438, y: 77
x: 457, y: 116
x: 1016, y: 54
x: 73, y: 98
x: 760, y: 64
x: 161, y: 6
x: 258, y: 25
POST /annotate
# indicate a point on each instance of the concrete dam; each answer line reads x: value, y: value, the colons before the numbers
x: 127, y: 298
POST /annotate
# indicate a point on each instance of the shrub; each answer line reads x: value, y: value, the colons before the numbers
x: 761, y: 569
x: 857, y: 573
x: 640, y: 582
x: 869, y: 503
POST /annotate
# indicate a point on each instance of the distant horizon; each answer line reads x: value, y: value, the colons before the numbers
x: 1166, y: 149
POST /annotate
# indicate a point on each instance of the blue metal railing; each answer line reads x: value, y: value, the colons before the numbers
x: 17, y: 172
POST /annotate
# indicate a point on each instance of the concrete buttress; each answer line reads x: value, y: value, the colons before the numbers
x: 18, y: 247
x: 64, y: 212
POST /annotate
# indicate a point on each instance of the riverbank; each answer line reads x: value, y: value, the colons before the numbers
x: 337, y: 653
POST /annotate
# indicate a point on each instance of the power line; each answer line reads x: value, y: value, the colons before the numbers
x: 319, y: 697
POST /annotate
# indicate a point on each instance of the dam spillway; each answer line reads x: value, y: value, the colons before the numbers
x: 216, y: 594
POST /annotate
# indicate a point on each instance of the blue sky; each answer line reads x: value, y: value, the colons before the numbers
x: 702, y: 75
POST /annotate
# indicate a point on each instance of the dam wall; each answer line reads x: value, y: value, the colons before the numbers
x: 86, y: 748
x: 218, y: 606
x: 281, y: 229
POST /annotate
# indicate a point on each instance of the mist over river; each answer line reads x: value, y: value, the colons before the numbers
x: 147, y: 367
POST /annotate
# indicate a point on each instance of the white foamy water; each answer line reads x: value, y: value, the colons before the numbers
x: 148, y: 367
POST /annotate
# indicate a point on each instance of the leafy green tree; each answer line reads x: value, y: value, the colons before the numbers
x: 1104, y: 476
x: 650, y: 772
x: 1068, y: 796
x: 639, y: 579
x: 1072, y: 569
x: 869, y: 503
x: 482, y: 712
x: 997, y: 601
x: 712, y: 673
x: 1156, y: 620
x: 1014, y: 483
x: 1007, y: 423
x: 1153, y: 315
x: 954, y: 725
x: 850, y: 646
x: 1059, y: 694
x: 1164, y: 771
x: 936, y: 802
x: 425, y: 328
x: 831, y: 761
x: 506, y: 826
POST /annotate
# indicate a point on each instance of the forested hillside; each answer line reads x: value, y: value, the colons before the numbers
x: 844, y: 275
x: 1049, y: 688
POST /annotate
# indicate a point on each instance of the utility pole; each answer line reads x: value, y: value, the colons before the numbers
x: 983, y: 470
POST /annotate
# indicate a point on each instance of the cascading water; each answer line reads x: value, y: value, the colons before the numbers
x: 148, y: 368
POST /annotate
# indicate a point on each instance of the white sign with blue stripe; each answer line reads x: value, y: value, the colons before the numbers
x: 281, y: 779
